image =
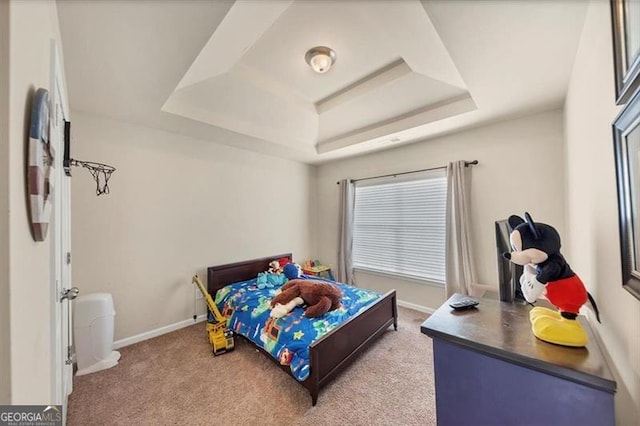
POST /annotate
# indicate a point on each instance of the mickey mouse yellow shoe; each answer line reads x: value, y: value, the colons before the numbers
x: 539, y: 311
x: 560, y: 331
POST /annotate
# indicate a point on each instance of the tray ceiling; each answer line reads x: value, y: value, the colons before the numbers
x: 233, y: 72
x: 259, y: 84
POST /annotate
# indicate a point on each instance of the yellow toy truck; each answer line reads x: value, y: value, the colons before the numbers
x: 220, y: 337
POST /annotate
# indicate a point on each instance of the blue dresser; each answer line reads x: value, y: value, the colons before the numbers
x: 491, y: 370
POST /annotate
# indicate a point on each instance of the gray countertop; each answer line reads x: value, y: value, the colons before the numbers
x: 502, y: 330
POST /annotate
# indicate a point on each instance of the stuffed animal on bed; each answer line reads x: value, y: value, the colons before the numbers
x: 319, y: 296
x: 536, y: 246
x: 262, y: 282
x: 269, y: 280
x: 292, y: 271
x: 274, y: 267
x: 277, y: 266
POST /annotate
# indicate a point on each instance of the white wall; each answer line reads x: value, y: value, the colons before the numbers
x: 5, y: 338
x: 521, y: 169
x: 177, y: 205
x: 32, y: 26
x: 592, y: 222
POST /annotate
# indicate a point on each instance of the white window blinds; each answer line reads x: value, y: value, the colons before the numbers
x: 399, y: 226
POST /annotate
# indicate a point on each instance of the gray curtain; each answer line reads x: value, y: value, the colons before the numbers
x: 460, y: 266
x: 345, y: 244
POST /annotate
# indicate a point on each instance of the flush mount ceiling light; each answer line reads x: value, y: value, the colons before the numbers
x: 320, y: 58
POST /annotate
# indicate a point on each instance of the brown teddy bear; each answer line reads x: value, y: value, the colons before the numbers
x: 321, y: 297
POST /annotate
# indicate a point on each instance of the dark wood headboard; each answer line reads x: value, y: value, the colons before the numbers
x: 220, y: 276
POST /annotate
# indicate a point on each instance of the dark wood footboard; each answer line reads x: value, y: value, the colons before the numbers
x: 337, y: 349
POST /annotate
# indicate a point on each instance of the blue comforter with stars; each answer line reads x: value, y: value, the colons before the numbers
x: 287, y: 339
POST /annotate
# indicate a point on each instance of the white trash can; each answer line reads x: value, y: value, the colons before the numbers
x: 93, y: 316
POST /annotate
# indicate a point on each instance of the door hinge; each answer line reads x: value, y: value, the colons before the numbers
x: 70, y: 356
x: 68, y: 258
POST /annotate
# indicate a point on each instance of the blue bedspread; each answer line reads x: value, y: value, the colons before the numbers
x: 287, y: 339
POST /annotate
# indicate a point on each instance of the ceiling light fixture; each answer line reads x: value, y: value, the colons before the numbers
x: 320, y: 58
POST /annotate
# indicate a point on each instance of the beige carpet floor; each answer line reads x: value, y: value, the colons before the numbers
x: 175, y: 380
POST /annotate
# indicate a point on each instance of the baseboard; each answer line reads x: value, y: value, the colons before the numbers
x: 415, y: 307
x: 157, y: 332
x: 182, y: 324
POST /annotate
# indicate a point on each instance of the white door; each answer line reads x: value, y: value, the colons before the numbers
x: 61, y: 241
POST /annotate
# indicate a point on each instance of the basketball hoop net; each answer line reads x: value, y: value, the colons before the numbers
x: 100, y: 172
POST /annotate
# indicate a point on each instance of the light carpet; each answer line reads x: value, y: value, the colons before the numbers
x: 174, y: 379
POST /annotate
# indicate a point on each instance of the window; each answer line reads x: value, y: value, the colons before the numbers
x: 399, y: 226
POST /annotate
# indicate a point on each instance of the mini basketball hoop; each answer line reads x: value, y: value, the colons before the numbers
x: 100, y: 172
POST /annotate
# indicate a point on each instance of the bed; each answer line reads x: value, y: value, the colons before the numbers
x: 335, y: 350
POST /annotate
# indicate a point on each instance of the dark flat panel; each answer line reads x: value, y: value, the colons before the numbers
x: 503, y: 330
x: 474, y: 389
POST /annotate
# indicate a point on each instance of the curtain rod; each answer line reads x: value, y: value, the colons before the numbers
x: 466, y: 164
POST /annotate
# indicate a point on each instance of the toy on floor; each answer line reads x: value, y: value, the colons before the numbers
x: 536, y: 246
x: 321, y: 297
x: 220, y: 337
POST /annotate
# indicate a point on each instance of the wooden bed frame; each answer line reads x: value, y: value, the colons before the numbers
x: 337, y: 349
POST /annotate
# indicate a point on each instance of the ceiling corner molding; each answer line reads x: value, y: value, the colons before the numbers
x: 394, y: 128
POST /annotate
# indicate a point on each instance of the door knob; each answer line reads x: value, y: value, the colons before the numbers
x: 69, y: 293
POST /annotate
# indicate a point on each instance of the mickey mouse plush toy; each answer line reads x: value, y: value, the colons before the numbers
x: 536, y: 246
